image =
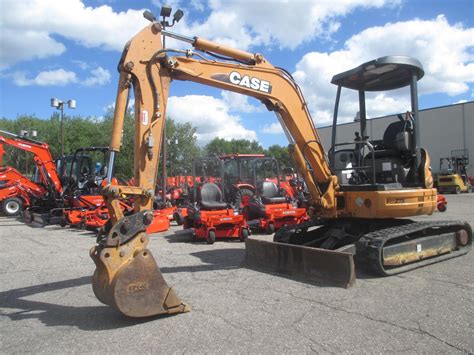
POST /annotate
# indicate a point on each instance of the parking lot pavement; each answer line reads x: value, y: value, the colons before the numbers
x: 47, y: 304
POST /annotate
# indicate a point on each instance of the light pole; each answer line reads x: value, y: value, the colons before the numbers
x: 59, y: 105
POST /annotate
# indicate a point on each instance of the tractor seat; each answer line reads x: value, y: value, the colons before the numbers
x: 270, y: 193
x: 211, y: 197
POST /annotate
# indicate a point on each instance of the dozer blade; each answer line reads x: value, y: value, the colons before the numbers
x: 128, y: 278
x: 314, y: 265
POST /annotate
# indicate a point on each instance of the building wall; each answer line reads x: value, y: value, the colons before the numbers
x: 442, y: 129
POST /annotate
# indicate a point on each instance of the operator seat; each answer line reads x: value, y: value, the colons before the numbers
x: 211, y: 197
x: 396, y: 140
x: 270, y: 193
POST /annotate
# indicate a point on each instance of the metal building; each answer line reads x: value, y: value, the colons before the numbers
x: 443, y: 129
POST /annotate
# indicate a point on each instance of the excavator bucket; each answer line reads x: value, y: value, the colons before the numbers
x: 313, y: 265
x: 127, y: 277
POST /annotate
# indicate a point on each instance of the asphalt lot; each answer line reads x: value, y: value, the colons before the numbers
x: 47, y: 304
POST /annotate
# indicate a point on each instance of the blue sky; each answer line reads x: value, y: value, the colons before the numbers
x: 72, y: 50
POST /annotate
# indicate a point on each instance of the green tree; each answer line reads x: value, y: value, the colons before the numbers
x: 181, y: 148
x: 220, y: 146
x: 279, y: 153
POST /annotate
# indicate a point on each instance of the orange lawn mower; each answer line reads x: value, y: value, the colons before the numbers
x: 173, y: 212
x: 208, y: 213
x: 271, y: 208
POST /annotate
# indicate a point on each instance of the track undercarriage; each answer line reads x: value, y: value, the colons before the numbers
x: 331, y: 250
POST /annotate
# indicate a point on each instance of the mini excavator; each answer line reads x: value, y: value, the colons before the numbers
x: 357, y: 219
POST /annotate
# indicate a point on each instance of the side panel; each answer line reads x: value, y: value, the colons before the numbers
x: 390, y: 204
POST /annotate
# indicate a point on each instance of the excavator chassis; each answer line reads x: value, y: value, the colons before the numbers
x: 331, y: 253
x: 127, y: 276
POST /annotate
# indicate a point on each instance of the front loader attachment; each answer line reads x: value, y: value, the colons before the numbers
x: 127, y: 276
x: 313, y: 265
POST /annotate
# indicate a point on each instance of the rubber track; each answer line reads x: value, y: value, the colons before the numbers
x: 369, y: 247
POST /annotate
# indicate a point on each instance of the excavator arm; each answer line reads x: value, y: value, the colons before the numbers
x: 127, y: 276
x: 150, y: 69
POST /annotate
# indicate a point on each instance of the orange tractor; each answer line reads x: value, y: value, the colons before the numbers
x: 47, y: 189
x: 17, y: 191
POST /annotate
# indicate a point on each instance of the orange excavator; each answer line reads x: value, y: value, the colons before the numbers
x: 359, y: 197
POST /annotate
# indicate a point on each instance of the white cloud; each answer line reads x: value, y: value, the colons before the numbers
x: 59, y: 77
x: 28, y: 27
x: 274, y: 128
x: 100, y: 76
x: 238, y: 102
x: 210, y: 116
x: 81, y: 64
x: 444, y: 50
x: 16, y: 45
x: 283, y: 23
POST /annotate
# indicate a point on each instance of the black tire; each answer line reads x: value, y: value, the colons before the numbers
x: 188, y: 223
x: 240, y: 196
x: 270, y: 228
x: 178, y: 217
x: 12, y: 206
x: 244, y: 234
x: 458, y: 190
x: 442, y: 207
x: 211, y: 237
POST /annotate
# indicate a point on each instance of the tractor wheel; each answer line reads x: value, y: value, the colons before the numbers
x: 63, y: 222
x: 458, y: 190
x: 178, y: 217
x: 442, y: 207
x: 242, y: 197
x: 244, y: 234
x: 211, y: 237
x: 12, y: 206
x: 187, y: 223
x: 270, y: 228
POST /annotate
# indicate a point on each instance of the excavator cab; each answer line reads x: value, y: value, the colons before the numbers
x: 389, y: 163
